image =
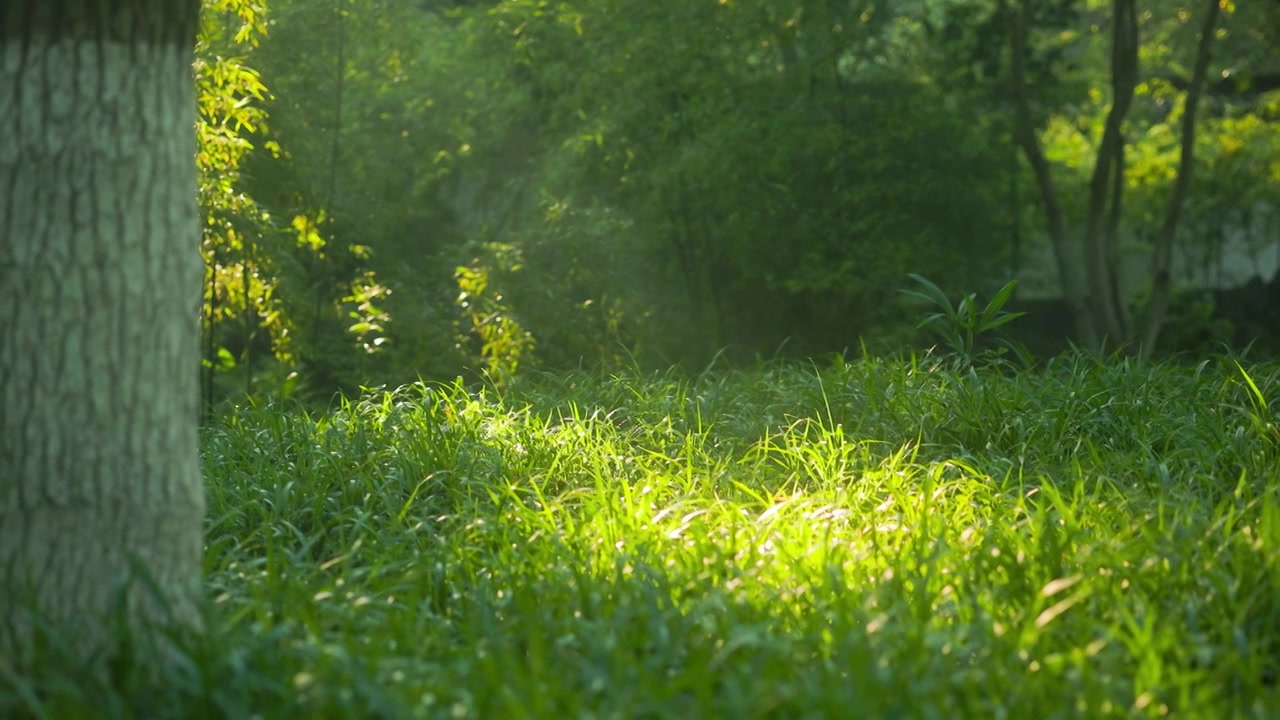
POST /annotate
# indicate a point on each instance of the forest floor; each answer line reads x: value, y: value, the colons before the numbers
x: 869, y: 539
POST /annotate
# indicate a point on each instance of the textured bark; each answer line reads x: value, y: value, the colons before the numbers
x: 99, y: 291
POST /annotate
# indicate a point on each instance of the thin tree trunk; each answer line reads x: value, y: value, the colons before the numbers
x: 1071, y: 269
x: 1162, y: 256
x: 1111, y: 252
x: 1106, y: 185
x: 100, y: 282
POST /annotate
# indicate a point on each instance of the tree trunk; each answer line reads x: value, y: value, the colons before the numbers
x: 1162, y: 257
x: 1072, y: 268
x: 99, y: 290
x: 1106, y: 186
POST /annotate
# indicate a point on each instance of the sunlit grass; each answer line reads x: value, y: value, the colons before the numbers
x: 871, y: 539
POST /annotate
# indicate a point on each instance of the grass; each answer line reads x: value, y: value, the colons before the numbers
x: 869, y: 539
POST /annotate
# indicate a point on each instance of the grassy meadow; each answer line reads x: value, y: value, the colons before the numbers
x: 861, y: 539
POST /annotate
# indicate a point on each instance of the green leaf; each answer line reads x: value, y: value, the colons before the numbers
x: 1003, y: 319
x: 1001, y: 297
x: 931, y: 293
x: 226, y: 361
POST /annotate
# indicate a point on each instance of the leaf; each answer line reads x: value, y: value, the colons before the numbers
x: 1004, y: 318
x: 930, y: 319
x: 226, y: 360
x: 931, y: 292
x: 1001, y: 297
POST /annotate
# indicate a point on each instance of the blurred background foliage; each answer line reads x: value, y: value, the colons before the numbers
x: 427, y: 189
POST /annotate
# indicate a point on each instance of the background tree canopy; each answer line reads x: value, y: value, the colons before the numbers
x: 428, y: 189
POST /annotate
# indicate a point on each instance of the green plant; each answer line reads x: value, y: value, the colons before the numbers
x: 961, y: 325
x: 1097, y: 540
x: 1262, y: 418
x: 504, y: 342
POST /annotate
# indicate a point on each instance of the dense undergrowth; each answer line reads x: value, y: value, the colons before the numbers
x: 869, y: 539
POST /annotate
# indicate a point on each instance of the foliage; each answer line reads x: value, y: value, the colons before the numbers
x: 961, y: 325
x: 239, y: 286
x: 662, y: 209
x: 769, y: 188
x: 676, y: 194
x: 503, y: 342
x: 271, y: 289
x: 883, y: 538
x: 1156, y: 213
